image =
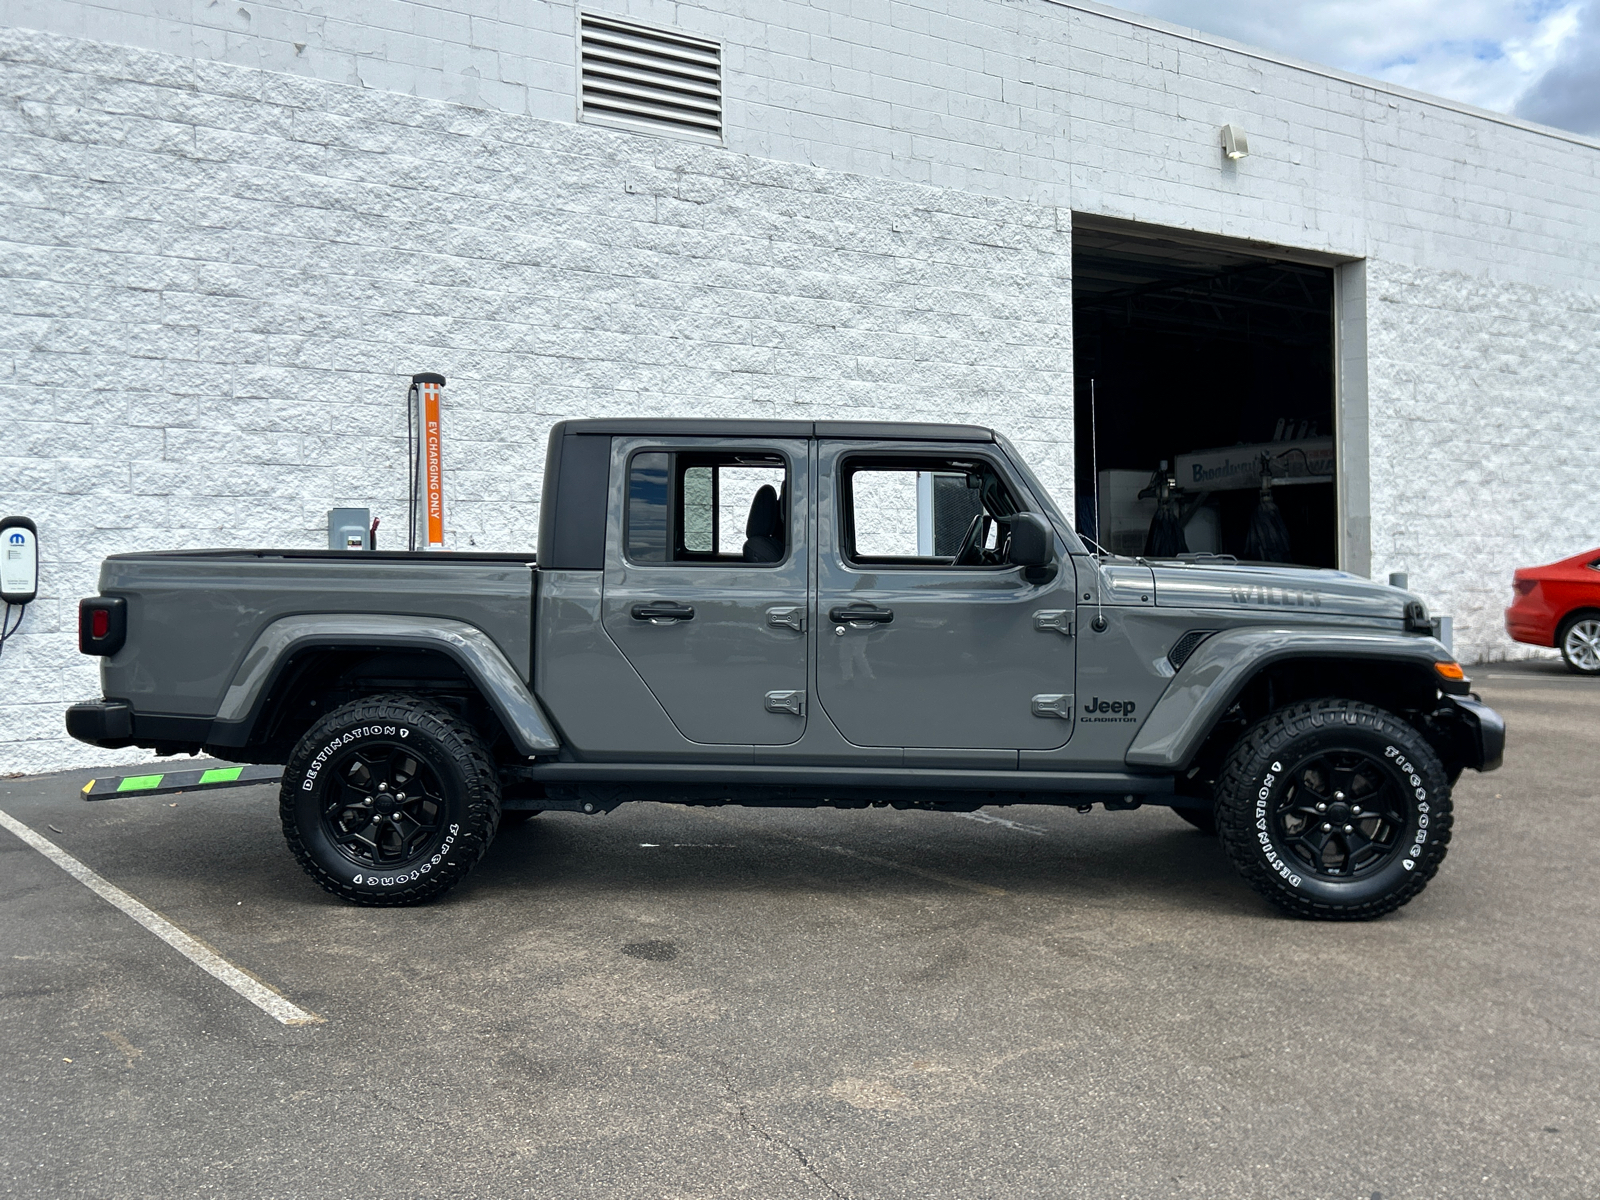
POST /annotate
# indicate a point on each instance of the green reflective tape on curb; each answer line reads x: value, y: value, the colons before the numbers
x: 140, y: 783
x: 221, y: 775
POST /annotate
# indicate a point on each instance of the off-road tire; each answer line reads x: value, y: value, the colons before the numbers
x: 1265, y: 774
x: 1203, y: 819
x: 450, y: 833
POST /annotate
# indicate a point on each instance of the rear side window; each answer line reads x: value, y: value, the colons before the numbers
x: 915, y: 512
x: 706, y: 507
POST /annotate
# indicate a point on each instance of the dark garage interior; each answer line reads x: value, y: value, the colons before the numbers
x: 1204, y: 357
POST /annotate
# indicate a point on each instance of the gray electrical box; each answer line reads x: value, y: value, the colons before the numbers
x: 349, y: 528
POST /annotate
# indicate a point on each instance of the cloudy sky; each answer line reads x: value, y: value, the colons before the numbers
x: 1539, y: 59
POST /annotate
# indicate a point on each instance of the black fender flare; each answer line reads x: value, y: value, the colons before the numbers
x: 524, y: 719
x: 1214, y: 675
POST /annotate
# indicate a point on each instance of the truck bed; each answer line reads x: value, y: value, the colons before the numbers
x: 194, y: 614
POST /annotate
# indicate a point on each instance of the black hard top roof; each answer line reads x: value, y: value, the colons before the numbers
x: 688, y: 427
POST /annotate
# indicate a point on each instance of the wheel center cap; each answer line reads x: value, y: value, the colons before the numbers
x: 386, y: 803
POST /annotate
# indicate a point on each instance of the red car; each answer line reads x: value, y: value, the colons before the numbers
x: 1559, y: 606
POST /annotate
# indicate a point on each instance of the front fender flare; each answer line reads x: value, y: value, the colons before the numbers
x: 1218, y: 670
x: 470, y: 647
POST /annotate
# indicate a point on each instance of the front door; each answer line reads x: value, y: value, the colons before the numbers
x: 926, y: 635
x: 706, y: 582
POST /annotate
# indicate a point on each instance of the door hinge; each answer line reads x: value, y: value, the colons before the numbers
x: 1054, y: 620
x: 1053, y: 705
x: 789, y: 617
x: 793, y: 703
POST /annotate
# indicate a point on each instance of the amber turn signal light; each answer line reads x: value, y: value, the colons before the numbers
x: 1450, y: 670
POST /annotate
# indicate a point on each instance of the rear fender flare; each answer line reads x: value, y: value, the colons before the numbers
x: 1214, y: 675
x: 468, y: 646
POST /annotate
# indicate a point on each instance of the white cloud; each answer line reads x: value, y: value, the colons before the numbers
x: 1483, y: 52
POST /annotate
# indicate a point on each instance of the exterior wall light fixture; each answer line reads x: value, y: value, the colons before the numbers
x: 1234, y: 143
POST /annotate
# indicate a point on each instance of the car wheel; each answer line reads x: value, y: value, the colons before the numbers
x: 1579, y: 640
x: 1334, y: 809
x: 389, y: 800
x: 1203, y: 819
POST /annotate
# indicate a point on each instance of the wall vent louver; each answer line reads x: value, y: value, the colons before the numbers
x: 650, y: 80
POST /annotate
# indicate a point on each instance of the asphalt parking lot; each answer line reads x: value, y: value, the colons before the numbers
x: 682, y: 1004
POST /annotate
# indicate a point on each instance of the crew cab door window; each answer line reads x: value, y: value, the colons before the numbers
x: 707, y: 508
x: 907, y: 512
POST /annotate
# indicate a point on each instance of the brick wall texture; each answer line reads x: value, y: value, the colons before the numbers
x: 226, y: 240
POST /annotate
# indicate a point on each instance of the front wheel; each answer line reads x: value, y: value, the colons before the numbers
x: 389, y: 800
x: 1334, y: 809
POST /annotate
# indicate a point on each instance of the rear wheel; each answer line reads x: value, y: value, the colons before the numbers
x: 1334, y: 809
x: 1579, y: 640
x: 390, y: 800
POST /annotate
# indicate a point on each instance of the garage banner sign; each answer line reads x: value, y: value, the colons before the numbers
x: 1306, y: 460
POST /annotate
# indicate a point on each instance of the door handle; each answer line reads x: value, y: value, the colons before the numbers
x: 662, y: 612
x: 863, y: 614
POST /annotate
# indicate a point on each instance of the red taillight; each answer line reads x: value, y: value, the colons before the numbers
x: 1525, y: 587
x: 102, y: 625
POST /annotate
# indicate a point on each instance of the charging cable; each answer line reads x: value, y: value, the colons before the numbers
x: 5, y: 634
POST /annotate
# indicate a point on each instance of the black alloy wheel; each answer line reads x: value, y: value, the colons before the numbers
x: 1342, y: 814
x: 389, y: 800
x: 1334, y: 809
x: 383, y: 804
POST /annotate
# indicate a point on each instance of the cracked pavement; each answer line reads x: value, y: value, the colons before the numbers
x: 685, y: 1004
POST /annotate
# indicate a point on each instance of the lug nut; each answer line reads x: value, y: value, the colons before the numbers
x: 1356, y: 810
x: 1338, y: 795
x: 1349, y: 828
x: 1326, y: 828
x: 1321, y: 807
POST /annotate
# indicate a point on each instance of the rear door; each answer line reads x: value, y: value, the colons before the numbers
x: 706, y: 580
x: 926, y: 635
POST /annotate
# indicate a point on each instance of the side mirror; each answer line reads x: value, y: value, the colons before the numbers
x: 1033, y: 546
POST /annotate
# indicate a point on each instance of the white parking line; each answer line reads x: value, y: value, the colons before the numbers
x: 208, y: 960
x: 991, y: 819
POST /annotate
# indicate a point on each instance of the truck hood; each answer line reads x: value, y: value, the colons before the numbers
x: 1285, y: 589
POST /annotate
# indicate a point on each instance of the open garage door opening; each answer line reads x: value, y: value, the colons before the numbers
x: 1204, y: 394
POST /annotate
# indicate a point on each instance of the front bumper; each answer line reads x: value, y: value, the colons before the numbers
x: 1479, y: 733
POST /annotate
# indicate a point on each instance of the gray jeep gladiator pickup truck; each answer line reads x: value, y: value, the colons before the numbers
x: 796, y: 613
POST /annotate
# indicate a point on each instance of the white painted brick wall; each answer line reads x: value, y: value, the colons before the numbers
x: 1480, y: 459
x: 230, y: 236
x: 218, y: 279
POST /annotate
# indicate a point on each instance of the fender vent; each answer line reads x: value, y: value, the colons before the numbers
x: 1186, y: 645
x: 650, y: 80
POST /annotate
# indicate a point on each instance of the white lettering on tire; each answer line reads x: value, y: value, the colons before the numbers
x: 353, y: 735
x: 1268, y: 850
x: 412, y: 876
